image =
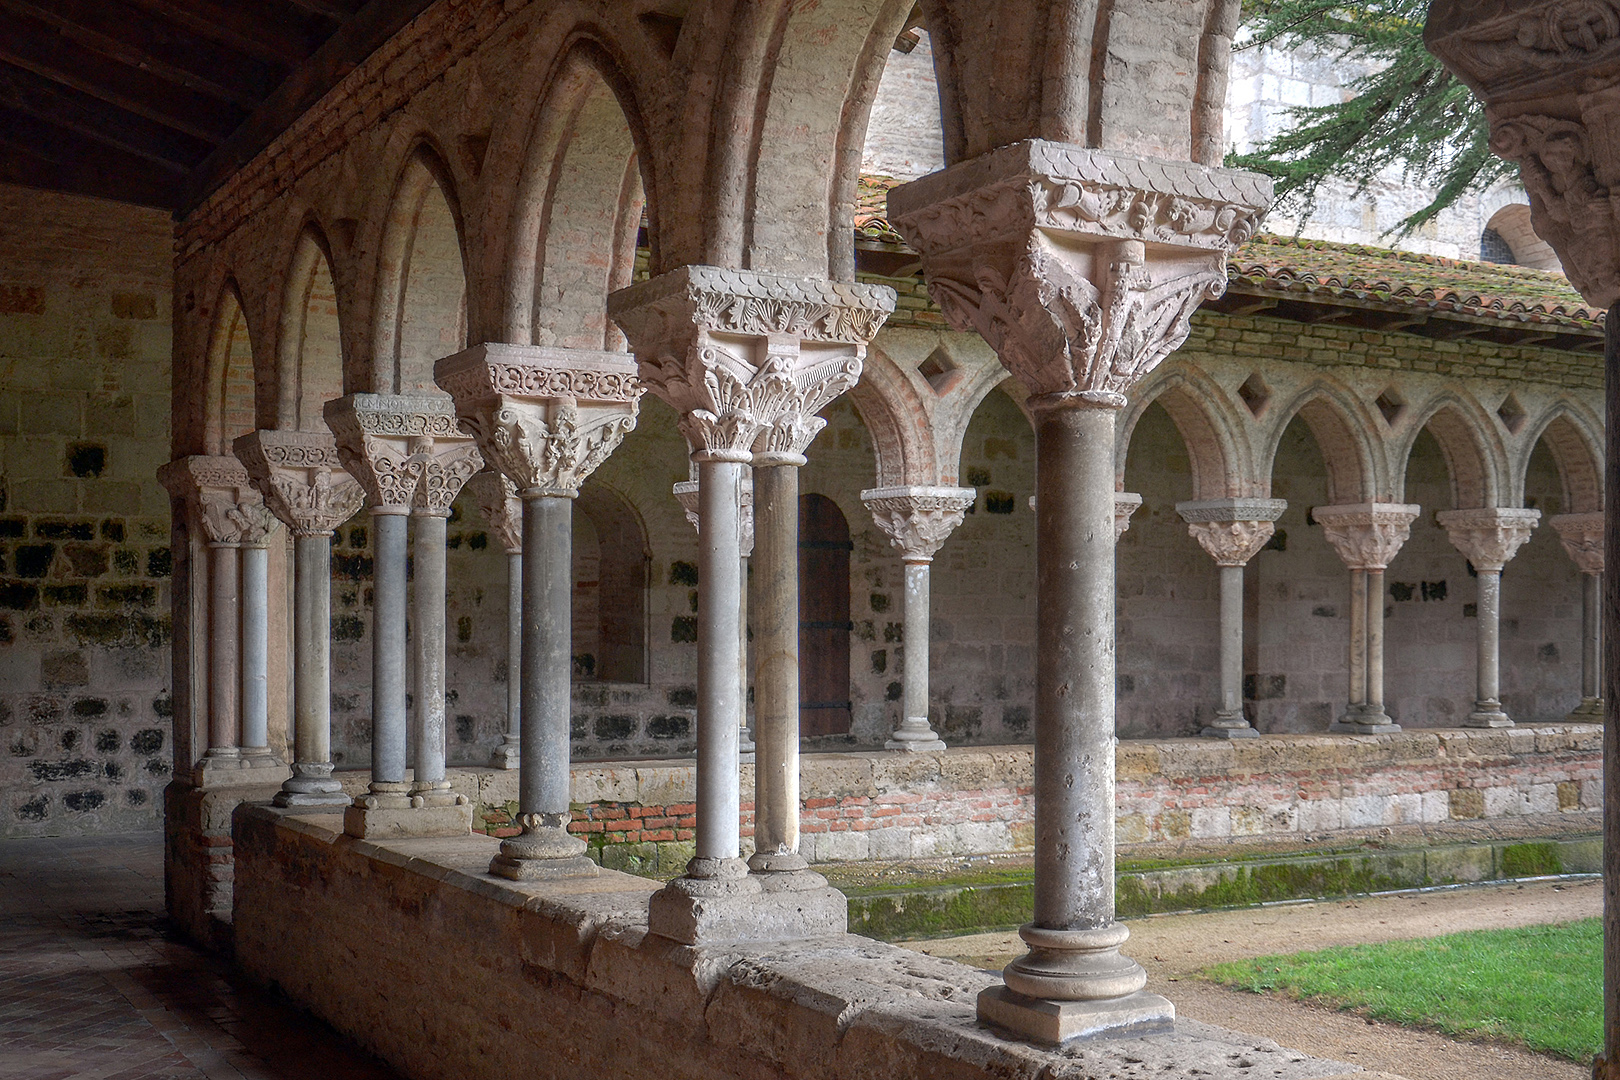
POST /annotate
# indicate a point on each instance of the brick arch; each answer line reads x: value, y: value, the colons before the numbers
x: 1470, y: 453
x: 895, y: 415
x: 578, y: 204
x: 420, y: 294
x: 1577, y: 455
x: 229, y: 408
x: 1340, y: 429
x: 309, y: 358
x: 1213, y: 440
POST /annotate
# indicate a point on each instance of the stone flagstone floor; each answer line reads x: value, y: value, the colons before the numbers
x: 95, y: 986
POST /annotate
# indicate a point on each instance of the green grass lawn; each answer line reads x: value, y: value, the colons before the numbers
x: 1541, y: 986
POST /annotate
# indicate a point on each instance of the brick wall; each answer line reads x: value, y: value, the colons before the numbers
x: 84, y: 525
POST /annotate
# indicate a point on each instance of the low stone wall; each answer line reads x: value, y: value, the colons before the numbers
x: 414, y: 952
x: 977, y: 800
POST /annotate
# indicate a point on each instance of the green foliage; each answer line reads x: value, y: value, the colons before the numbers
x: 1409, y: 115
x: 1541, y: 986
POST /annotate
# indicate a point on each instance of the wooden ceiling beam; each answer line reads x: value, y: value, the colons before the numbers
x: 36, y: 47
x: 130, y: 36
x: 239, y: 27
x: 39, y: 154
x: 74, y: 111
x: 336, y: 10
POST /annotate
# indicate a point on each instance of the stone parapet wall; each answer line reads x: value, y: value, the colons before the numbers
x: 413, y: 951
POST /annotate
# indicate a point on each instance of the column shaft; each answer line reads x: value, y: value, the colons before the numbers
x: 776, y: 685
x: 388, y: 647
x: 428, y: 637
x: 1231, y: 643
x: 255, y: 702
x: 745, y: 735
x: 1611, y: 695
x: 1358, y: 640
x: 1489, y: 618
x: 311, y: 783
x: 914, y: 688
x: 719, y: 701
x: 548, y: 572
x: 514, y: 648
x: 1374, y: 588
x: 224, y: 637
x: 1591, y: 636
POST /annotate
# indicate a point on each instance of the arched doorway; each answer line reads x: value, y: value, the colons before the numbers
x: 824, y: 625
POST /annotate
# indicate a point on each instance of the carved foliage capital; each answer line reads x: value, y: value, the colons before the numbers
x: 498, y: 499
x: 1126, y: 503
x: 1582, y: 537
x: 1367, y: 536
x: 1488, y: 536
x: 301, y: 478
x: 1232, y: 530
x: 917, y: 520
x: 220, y: 492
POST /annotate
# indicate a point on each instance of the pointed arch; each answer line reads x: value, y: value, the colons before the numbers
x: 1473, y: 457
x: 1576, y: 445
x: 1202, y: 415
x: 420, y: 308
x: 577, y: 213
x: 309, y: 361
x: 229, y: 407
x: 1341, y: 428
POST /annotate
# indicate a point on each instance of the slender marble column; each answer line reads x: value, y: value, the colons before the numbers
x: 389, y: 716
x: 776, y: 685
x: 545, y: 418
x: 686, y: 493
x: 224, y: 642
x: 1488, y: 537
x: 917, y: 520
x: 1367, y: 536
x: 255, y: 699
x: 498, y: 499
x: 427, y: 607
x: 1232, y: 531
x: 1582, y: 537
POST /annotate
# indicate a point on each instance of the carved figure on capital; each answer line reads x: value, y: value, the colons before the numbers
x: 748, y: 359
x: 1232, y: 531
x: 1367, y: 536
x: 407, y: 450
x: 220, y: 492
x: 1081, y: 268
x: 1582, y: 537
x: 1488, y: 536
x: 544, y: 417
x: 918, y: 520
x: 301, y: 478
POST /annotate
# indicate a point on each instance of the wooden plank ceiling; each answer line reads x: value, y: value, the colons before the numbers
x: 155, y: 101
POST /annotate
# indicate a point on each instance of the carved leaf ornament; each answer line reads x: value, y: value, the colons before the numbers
x: 550, y: 457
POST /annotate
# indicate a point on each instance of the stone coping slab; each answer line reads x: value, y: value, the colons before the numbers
x: 412, y: 949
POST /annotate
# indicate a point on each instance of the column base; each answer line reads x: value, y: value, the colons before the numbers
x: 915, y: 734
x: 1214, y: 732
x: 234, y: 771
x: 311, y: 784
x: 543, y: 851
x: 1055, y: 1022
x: 1360, y: 720
x: 1589, y: 711
x: 393, y: 822
x: 508, y: 755
x: 732, y: 906
x: 1488, y: 714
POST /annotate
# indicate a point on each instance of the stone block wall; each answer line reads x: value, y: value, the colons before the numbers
x: 85, y: 706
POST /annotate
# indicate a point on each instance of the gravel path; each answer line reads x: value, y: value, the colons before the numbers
x: 1174, y: 947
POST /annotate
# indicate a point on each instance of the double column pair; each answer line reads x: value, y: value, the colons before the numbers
x: 228, y: 511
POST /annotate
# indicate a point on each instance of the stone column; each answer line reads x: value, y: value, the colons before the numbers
x: 748, y: 359
x: 1582, y: 537
x: 232, y: 516
x: 410, y: 456
x: 1232, y: 531
x: 1367, y: 537
x: 1488, y: 537
x: 686, y: 493
x: 498, y: 499
x: 917, y: 521
x: 546, y: 418
x: 1081, y: 268
x: 305, y: 486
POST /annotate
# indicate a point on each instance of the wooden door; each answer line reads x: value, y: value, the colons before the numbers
x: 824, y: 626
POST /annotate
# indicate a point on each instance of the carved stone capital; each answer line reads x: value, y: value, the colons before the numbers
x: 686, y: 493
x: 546, y: 417
x: 498, y: 499
x: 917, y: 520
x: 1232, y: 530
x: 220, y: 493
x: 1367, y: 536
x: 1080, y: 267
x: 407, y: 450
x: 748, y: 359
x: 1489, y: 536
x: 1582, y: 537
x: 302, y: 480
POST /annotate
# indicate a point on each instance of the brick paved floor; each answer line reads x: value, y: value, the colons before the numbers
x: 95, y: 986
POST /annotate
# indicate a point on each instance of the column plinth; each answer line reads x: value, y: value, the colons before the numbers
x: 1081, y: 268
x: 305, y: 486
x: 748, y: 359
x: 545, y: 418
x: 1488, y: 538
x: 1367, y: 537
x: 917, y: 520
x: 1232, y: 531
